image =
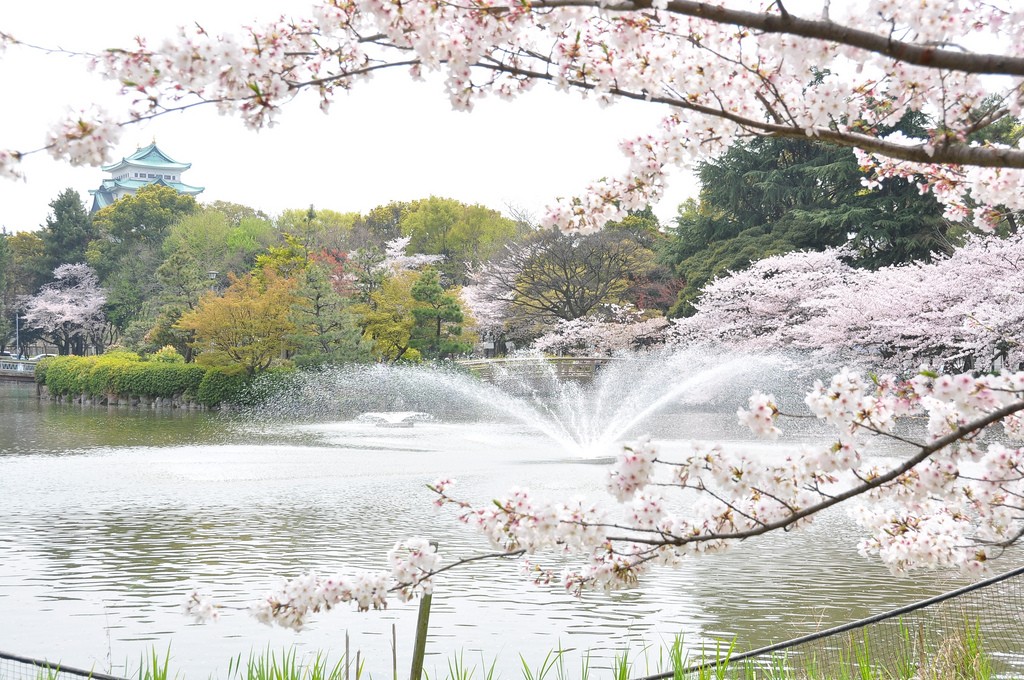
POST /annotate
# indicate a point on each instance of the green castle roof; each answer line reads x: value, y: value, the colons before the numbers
x: 148, y: 156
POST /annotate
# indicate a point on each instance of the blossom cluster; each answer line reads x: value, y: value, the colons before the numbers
x: 413, y: 563
x: 761, y: 416
x: 84, y: 137
x: 619, y: 328
x: 982, y: 195
x: 69, y: 307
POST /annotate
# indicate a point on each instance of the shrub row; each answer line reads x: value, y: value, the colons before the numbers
x: 125, y: 374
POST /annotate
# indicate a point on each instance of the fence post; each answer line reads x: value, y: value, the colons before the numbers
x: 422, y: 623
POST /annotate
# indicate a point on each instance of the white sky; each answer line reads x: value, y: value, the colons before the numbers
x: 390, y: 139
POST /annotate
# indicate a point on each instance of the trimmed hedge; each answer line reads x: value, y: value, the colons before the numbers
x: 159, y: 379
x: 223, y: 385
x: 67, y: 375
x: 125, y: 374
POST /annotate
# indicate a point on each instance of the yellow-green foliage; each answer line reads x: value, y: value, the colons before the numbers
x: 168, y: 355
x: 67, y: 375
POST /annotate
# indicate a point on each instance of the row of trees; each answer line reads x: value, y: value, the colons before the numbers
x: 226, y: 283
x: 425, y: 279
x: 959, y: 312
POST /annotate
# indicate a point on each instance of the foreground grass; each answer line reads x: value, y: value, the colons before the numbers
x: 958, y: 656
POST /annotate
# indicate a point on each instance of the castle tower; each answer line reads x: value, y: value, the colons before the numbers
x: 148, y: 165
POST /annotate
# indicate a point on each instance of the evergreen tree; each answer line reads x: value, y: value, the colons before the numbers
x: 7, y: 326
x: 325, y: 330
x: 68, y: 230
x: 466, y: 235
x: 437, y: 330
x: 773, y: 195
x: 182, y: 282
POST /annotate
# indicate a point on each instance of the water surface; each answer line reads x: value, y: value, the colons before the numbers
x: 109, y: 516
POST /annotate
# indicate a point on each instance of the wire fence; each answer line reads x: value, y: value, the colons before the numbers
x: 14, y: 667
x: 973, y: 632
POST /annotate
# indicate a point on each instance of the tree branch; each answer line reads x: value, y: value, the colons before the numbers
x: 927, y: 56
x: 953, y: 154
x: 912, y: 462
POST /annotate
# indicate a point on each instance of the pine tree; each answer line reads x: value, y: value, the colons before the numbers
x: 437, y: 330
x: 68, y: 230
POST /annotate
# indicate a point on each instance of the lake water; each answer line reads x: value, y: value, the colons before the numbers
x: 108, y: 517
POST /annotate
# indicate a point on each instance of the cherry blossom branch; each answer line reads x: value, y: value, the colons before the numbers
x: 927, y: 56
x: 926, y: 152
x: 926, y: 452
x: 413, y: 568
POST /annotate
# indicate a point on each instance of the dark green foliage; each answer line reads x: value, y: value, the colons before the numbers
x: 232, y: 385
x: 125, y: 375
x: 325, y: 330
x: 129, y: 247
x: 266, y: 387
x: 223, y: 385
x: 26, y: 266
x: 6, y: 327
x: 107, y: 376
x: 67, y: 375
x: 465, y: 235
x: 377, y: 227
x: 438, y: 318
x: 771, y: 195
x: 68, y: 230
x: 41, y: 368
x: 159, y: 379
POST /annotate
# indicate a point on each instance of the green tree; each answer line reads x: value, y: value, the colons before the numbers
x: 773, y: 195
x: 246, y: 241
x: 204, y: 235
x: 653, y: 285
x: 289, y: 259
x: 387, y: 320
x: 68, y: 230
x: 222, y: 242
x: 325, y: 328
x: 317, y: 230
x: 7, y: 327
x: 466, y: 235
x: 24, y: 272
x: 249, y: 325
x: 236, y: 213
x: 437, y: 329
x: 183, y: 281
x: 129, y: 248
x: 552, y: 276
x: 27, y: 267
x: 377, y: 227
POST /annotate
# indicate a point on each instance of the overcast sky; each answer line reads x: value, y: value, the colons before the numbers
x: 391, y: 139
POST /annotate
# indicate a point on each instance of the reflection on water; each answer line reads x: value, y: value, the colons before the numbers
x: 109, y: 517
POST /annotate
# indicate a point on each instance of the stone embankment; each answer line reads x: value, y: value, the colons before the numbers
x: 131, y: 401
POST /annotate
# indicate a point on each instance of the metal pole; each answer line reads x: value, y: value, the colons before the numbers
x: 422, y: 623
x: 420, y: 647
